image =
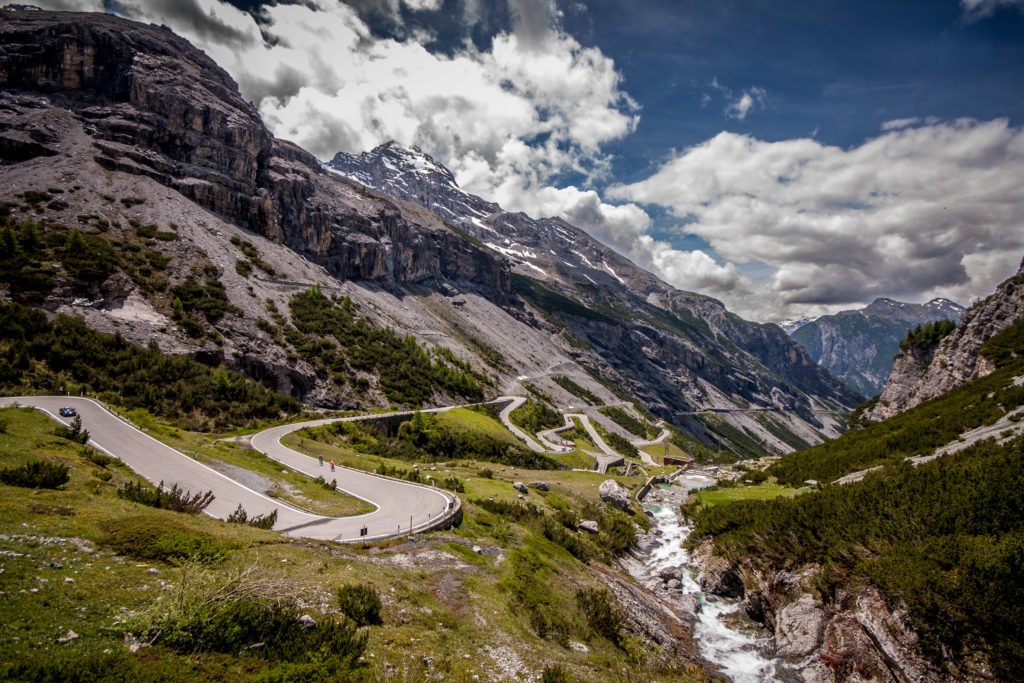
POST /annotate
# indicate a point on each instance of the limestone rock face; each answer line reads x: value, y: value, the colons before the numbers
x: 156, y: 106
x: 922, y: 374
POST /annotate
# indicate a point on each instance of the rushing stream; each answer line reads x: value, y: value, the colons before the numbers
x: 725, y: 638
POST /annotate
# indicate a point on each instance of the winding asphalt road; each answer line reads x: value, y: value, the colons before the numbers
x: 400, y: 505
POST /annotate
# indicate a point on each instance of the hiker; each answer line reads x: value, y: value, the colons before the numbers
x: 321, y: 461
x: 332, y: 465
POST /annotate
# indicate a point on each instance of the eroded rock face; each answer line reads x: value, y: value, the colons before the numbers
x: 717, y: 575
x: 156, y: 106
x: 921, y: 374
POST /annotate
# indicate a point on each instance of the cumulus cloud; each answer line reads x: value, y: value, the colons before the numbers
x: 934, y: 210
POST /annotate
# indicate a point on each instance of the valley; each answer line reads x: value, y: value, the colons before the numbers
x: 270, y: 416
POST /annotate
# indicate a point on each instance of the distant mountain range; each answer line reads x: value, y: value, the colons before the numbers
x: 859, y: 346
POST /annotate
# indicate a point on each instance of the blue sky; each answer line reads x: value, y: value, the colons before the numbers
x: 790, y: 158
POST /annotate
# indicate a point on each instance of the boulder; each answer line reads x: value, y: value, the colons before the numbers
x: 798, y: 627
x: 540, y: 485
x: 590, y: 526
x: 615, y: 494
x: 307, y: 622
x: 521, y: 487
x: 669, y: 573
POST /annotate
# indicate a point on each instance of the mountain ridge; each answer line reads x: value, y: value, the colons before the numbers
x: 137, y: 139
x: 858, y: 346
x: 924, y: 372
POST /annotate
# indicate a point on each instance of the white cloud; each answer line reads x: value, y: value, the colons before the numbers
x: 423, y: 5
x: 896, y: 124
x: 915, y: 213
x: 736, y: 106
x: 748, y: 100
x: 979, y: 9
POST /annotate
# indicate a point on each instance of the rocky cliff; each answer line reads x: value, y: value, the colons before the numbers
x: 859, y: 346
x: 157, y: 107
x: 923, y: 373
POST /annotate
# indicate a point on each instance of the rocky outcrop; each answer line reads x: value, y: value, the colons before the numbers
x: 615, y: 494
x: 156, y: 106
x: 920, y: 374
x: 854, y: 636
x: 859, y: 346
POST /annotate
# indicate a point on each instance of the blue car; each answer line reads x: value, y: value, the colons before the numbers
x: 68, y: 411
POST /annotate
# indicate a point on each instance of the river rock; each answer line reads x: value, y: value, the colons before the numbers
x: 615, y: 494
x: 798, y: 627
x: 669, y: 573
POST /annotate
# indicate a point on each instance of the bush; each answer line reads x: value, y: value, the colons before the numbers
x: 74, y: 663
x: 153, y: 538
x: 74, y: 432
x: 618, y: 533
x: 265, y: 521
x: 557, y: 533
x: 38, y: 474
x: 233, y: 626
x: 173, y: 499
x: 602, y: 612
x: 360, y: 603
x: 97, y: 458
x: 555, y: 674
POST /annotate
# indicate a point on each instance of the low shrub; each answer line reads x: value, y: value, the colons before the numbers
x: 265, y: 521
x: 73, y: 432
x: 38, y: 474
x: 159, y: 538
x: 97, y: 458
x: 271, y: 630
x: 360, y: 603
x: 173, y: 499
x: 602, y: 612
x: 555, y: 674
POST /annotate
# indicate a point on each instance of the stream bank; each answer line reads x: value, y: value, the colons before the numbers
x: 728, y: 640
